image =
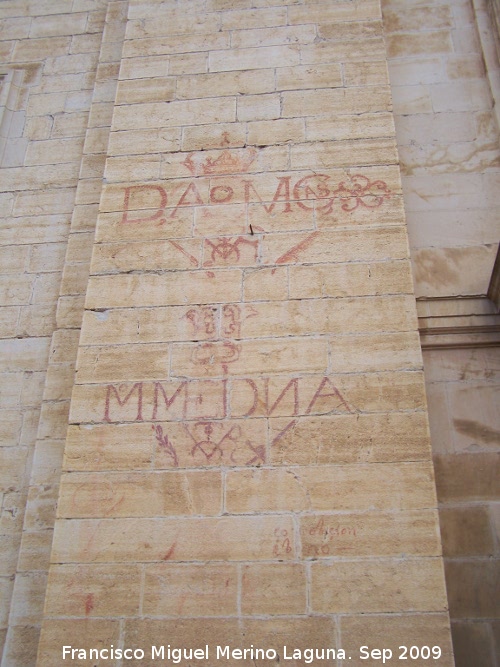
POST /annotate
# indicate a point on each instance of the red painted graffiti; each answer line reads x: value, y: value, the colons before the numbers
x: 136, y: 192
x: 231, y: 321
x: 213, y: 399
x: 314, y: 192
x: 226, y: 163
x: 207, y: 444
x: 202, y: 319
x: 220, y: 352
x: 226, y: 249
x: 360, y: 191
x: 292, y: 254
x: 111, y: 390
x: 165, y: 444
x: 282, y: 545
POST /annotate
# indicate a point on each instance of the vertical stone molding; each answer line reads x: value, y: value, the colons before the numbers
x: 50, y: 157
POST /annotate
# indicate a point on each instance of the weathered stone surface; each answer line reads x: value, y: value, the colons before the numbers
x: 248, y: 455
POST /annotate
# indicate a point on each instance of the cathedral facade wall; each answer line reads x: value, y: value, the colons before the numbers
x: 214, y: 195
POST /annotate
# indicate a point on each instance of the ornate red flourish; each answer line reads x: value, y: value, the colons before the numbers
x: 361, y: 191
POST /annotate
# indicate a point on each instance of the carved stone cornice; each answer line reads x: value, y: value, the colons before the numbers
x: 458, y: 322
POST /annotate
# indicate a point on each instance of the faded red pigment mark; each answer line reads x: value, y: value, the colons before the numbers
x: 282, y: 545
x: 170, y: 552
x: 165, y: 444
x: 328, y: 534
x: 89, y: 603
x: 181, y: 389
x: 326, y: 395
x: 143, y: 188
x: 185, y: 199
x: 282, y: 433
x: 228, y: 249
x: 362, y: 192
x: 178, y: 247
x: 232, y: 318
x: 215, y: 441
x: 106, y: 497
x: 209, y: 446
x: 112, y: 389
x: 282, y: 195
x: 293, y: 383
x: 292, y: 254
x: 216, y: 353
x: 231, y: 321
x: 227, y: 163
x: 336, y: 393
x: 260, y: 454
x: 202, y: 319
x: 314, y: 188
x: 310, y: 193
x: 329, y: 531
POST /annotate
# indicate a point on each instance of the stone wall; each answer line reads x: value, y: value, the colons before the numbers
x: 250, y: 327
x: 61, y: 63
x: 444, y: 71
x: 249, y: 370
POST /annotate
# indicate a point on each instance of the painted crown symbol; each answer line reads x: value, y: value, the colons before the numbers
x: 226, y: 163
